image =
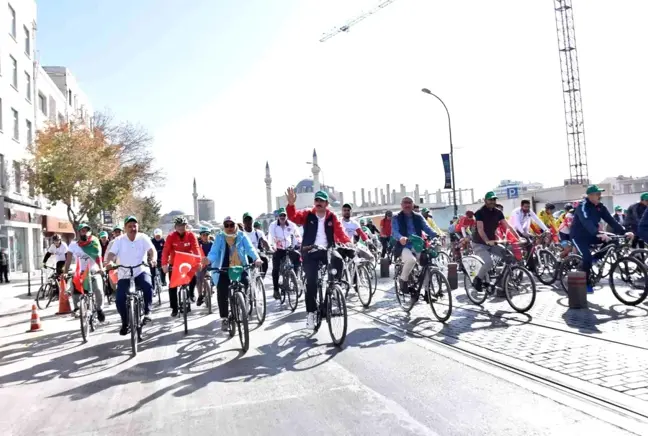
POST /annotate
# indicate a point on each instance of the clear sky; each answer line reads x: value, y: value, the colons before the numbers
x: 224, y: 85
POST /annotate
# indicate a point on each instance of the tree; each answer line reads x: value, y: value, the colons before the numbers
x: 97, y: 164
x: 146, y: 209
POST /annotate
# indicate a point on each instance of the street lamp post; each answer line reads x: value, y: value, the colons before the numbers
x: 454, y: 188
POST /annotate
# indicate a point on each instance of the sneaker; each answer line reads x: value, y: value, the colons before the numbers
x: 146, y: 319
x: 310, y: 320
x: 276, y: 294
x: 192, y: 298
x: 174, y: 313
x: 201, y: 299
x: 124, y: 330
x: 590, y: 290
x: 101, y: 316
x: 477, y: 284
x: 224, y: 324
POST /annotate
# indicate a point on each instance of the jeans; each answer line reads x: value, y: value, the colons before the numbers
x: 312, y: 262
x: 143, y: 282
x: 277, y: 257
x: 484, y: 252
x: 97, y: 292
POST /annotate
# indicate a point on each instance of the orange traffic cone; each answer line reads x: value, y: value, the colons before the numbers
x: 64, y: 300
x: 35, y: 321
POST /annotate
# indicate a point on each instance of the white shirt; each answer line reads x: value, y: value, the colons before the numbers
x: 282, y: 237
x: 255, y: 236
x: 82, y: 259
x: 131, y: 253
x: 59, y: 251
x: 521, y: 221
x: 350, y: 227
x: 320, y: 237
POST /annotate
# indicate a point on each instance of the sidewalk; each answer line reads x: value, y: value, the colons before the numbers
x: 13, y: 296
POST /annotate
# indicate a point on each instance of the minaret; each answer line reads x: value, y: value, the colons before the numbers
x: 195, y: 201
x: 268, y: 181
x: 316, y: 171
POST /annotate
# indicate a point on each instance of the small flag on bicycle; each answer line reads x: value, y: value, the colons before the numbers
x: 79, y: 278
x: 185, y: 266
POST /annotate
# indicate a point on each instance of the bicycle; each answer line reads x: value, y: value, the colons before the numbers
x: 255, y: 295
x: 183, y: 305
x: 358, y: 273
x: 207, y: 289
x: 330, y: 303
x: 87, y: 310
x: 48, y: 290
x: 157, y: 287
x: 134, y: 308
x: 542, y: 261
x: 289, y: 283
x: 237, y: 317
x: 427, y: 273
x: 506, y: 273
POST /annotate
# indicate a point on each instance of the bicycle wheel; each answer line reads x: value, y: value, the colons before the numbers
x: 520, y: 296
x: 260, y: 296
x: 570, y: 263
x: 292, y: 289
x: 41, y: 296
x: 336, y: 315
x: 184, y: 303
x: 132, y: 323
x: 242, y: 321
x: 83, y: 318
x: 53, y: 292
x: 442, y: 260
x: 629, y: 280
x: 405, y: 299
x: 471, y: 266
x: 302, y: 281
x: 283, y: 287
x: 158, y: 288
x: 207, y: 292
x: 439, y: 295
x: 363, y: 285
x: 545, y: 266
x: 641, y: 254
x: 320, y: 308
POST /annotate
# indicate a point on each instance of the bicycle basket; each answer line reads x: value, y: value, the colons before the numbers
x: 432, y: 253
x: 418, y: 244
x: 235, y: 273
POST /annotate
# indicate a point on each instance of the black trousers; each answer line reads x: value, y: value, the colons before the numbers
x: 173, y: 292
x: 277, y: 257
x: 312, y: 262
x: 264, y: 265
x: 385, y: 245
x: 222, y: 292
x: 637, y: 243
x: 4, y: 273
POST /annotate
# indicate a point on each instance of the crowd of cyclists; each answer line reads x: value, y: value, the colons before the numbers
x: 317, y: 236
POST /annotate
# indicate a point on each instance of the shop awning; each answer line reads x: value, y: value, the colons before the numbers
x: 57, y: 225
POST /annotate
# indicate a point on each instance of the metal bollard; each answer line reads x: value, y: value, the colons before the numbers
x: 577, y: 290
x: 453, y: 275
x: 29, y: 284
x: 384, y: 267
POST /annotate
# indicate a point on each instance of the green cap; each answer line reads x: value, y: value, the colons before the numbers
x: 130, y: 218
x: 321, y: 195
x: 118, y: 227
x: 490, y: 195
x: 204, y: 229
x: 257, y: 224
x: 103, y: 234
x: 618, y: 208
x: 593, y: 190
x: 84, y: 226
x: 425, y: 210
x: 247, y: 215
x: 644, y: 196
x: 281, y: 211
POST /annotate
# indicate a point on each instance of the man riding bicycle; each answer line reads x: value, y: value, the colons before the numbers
x: 179, y: 241
x: 258, y: 240
x: 405, y: 224
x: 282, y: 237
x: 385, y: 232
x: 58, y: 249
x: 231, y: 247
x: 133, y: 249
x: 158, y: 243
x: 205, y: 246
x: 323, y: 229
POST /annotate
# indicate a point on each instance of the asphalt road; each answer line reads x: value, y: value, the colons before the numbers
x: 290, y: 382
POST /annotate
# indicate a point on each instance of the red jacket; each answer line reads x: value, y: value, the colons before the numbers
x: 299, y: 217
x: 174, y: 243
x: 385, y: 227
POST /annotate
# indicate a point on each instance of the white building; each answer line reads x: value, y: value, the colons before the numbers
x: 504, y: 186
x: 28, y: 99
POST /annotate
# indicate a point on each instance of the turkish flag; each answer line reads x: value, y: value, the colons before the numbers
x: 185, y: 266
x: 79, y: 278
x: 114, y: 278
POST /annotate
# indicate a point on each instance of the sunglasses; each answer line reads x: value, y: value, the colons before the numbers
x: 229, y: 225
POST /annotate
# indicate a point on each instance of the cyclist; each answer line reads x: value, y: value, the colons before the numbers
x: 405, y: 224
x: 488, y: 219
x: 585, y: 227
x: 59, y: 249
x: 87, y: 252
x: 521, y: 218
x: 283, y: 238
x: 231, y: 247
x: 372, y: 227
x: 642, y: 228
x: 205, y: 246
x: 258, y: 240
x: 103, y: 241
x: 430, y: 220
x: 180, y: 241
x: 385, y: 231
x: 321, y: 228
x: 634, y: 215
x: 158, y: 242
x: 133, y: 249
x: 465, y: 224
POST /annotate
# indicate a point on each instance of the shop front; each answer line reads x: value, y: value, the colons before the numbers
x: 21, y: 237
x: 62, y: 227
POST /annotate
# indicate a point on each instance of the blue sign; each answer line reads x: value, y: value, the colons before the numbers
x: 447, y: 170
x: 512, y: 193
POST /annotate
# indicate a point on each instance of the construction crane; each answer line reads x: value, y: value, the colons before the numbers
x: 570, y: 74
x: 354, y: 21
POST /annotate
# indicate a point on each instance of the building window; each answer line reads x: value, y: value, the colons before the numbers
x: 28, y: 124
x: 16, y: 127
x: 42, y: 103
x: 14, y: 64
x: 12, y: 25
x: 27, y: 42
x: 3, y: 173
x: 70, y: 97
x: 52, y: 109
x: 17, y: 176
x: 28, y: 86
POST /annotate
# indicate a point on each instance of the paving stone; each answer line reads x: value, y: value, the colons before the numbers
x: 637, y: 392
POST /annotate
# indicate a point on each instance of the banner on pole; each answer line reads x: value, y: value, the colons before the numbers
x: 445, y: 157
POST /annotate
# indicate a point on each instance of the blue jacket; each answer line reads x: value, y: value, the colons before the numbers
x: 642, y: 229
x: 217, y: 253
x: 587, y: 217
x: 414, y: 225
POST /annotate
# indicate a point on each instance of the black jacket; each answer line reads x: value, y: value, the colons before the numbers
x: 634, y: 215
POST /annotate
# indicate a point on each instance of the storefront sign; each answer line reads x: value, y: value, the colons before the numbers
x: 107, y: 217
x: 55, y: 225
x: 17, y: 215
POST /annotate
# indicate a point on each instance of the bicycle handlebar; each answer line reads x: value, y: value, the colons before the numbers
x: 221, y: 269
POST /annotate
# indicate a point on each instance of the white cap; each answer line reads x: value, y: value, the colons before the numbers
x: 157, y: 232
x: 228, y: 218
